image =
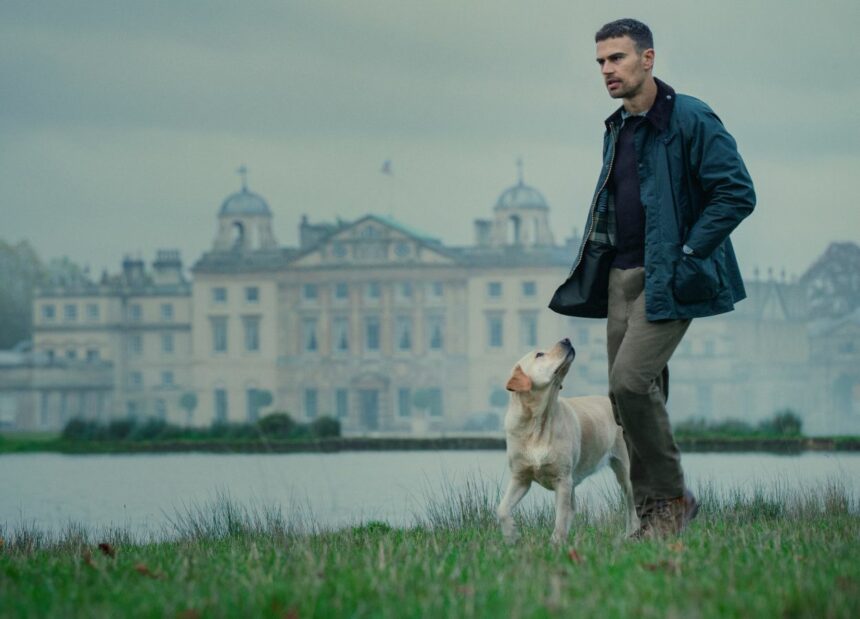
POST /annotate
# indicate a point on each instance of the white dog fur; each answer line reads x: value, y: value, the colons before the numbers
x: 558, y: 442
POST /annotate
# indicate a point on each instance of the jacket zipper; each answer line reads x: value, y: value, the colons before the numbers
x: 594, y: 202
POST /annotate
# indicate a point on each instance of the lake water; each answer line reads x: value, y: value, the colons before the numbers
x: 142, y: 492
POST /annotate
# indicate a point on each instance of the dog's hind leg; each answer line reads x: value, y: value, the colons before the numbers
x: 619, y: 462
x: 517, y: 489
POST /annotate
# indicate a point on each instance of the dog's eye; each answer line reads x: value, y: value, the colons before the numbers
x: 538, y: 355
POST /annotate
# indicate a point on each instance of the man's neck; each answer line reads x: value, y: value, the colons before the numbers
x: 642, y: 100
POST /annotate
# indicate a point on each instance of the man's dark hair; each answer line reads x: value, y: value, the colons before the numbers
x: 635, y: 29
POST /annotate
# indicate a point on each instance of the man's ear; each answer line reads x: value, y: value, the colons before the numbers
x: 518, y: 381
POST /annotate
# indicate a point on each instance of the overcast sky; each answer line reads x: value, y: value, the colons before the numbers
x: 122, y: 123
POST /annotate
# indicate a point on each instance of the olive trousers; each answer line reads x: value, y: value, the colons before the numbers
x: 638, y: 352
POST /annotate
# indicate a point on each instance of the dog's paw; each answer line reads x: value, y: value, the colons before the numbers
x: 511, y: 537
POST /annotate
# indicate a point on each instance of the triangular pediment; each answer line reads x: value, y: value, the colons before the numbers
x: 376, y: 241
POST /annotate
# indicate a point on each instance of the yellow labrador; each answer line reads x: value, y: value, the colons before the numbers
x: 558, y: 442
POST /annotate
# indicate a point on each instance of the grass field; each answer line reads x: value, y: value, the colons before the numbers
x: 772, y: 553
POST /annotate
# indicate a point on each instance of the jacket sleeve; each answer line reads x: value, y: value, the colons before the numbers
x: 728, y: 195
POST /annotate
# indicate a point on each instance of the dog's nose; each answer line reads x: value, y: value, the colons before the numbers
x: 566, y: 341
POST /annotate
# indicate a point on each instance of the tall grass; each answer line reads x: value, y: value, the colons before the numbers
x: 469, y: 505
x: 767, y: 551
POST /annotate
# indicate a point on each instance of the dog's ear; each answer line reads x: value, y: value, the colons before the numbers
x: 519, y: 381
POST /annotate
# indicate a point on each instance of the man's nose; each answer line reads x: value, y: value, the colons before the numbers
x: 606, y: 68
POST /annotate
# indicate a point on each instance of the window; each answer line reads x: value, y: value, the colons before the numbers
x: 341, y: 403
x: 92, y: 355
x: 374, y: 291
x: 710, y: 348
x: 219, y: 333
x: 49, y: 312
x: 219, y: 294
x: 71, y: 354
x: 135, y: 312
x: 251, y: 326
x: 92, y: 312
x: 435, y: 332
x: 404, y: 402
x: 167, y: 312
x: 529, y: 289
x: 309, y: 334
x: 135, y: 380
x: 135, y: 344
x: 167, y: 378
x: 310, y: 403
x: 160, y: 409
x: 132, y: 409
x: 528, y: 329
x: 437, y: 289
x: 167, y: 343
x: 252, y: 294
x: 371, y: 333
x: 494, y: 289
x: 70, y: 312
x: 220, y: 406
x: 495, y: 325
x: 340, y: 333
x: 341, y: 290
x: 404, y: 290
x: 309, y: 292
x: 403, y: 333
x: 435, y: 397
x: 252, y: 404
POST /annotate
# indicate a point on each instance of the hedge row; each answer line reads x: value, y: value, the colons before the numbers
x: 274, y: 426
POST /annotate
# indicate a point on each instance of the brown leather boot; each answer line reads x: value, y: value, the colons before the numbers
x: 667, y: 517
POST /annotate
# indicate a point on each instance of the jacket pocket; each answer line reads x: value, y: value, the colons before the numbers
x: 695, y: 279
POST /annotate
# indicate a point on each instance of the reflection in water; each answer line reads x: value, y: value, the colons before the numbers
x: 142, y: 491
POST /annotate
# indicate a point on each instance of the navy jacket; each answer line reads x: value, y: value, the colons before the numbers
x: 695, y: 190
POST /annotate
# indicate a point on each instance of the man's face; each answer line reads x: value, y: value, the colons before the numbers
x: 624, y: 69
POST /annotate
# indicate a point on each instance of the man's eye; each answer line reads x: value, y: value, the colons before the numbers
x: 538, y: 355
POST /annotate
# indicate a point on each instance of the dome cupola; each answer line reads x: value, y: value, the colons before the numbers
x: 520, y: 218
x: 244, y: 221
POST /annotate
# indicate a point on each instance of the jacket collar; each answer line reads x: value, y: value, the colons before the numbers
x: 659, y: 113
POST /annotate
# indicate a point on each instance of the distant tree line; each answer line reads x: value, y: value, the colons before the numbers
x: 277, y: 425
x: 784, y: 423
x: 21, y: 272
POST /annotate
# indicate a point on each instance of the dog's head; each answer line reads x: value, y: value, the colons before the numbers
x: 542, y: 370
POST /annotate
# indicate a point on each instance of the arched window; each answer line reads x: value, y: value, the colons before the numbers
x: 238, y: 234
x: 514, y: 230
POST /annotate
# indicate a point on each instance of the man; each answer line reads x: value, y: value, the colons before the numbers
x: 656, y: 253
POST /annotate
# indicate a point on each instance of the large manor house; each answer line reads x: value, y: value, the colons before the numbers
x: 391, y: 330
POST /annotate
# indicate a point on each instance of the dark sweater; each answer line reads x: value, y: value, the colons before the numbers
x: 629, y: 212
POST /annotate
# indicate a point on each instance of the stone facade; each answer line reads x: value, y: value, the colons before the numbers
x: 393, y: 331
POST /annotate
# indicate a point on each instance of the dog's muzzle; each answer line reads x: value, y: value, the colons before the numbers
x: 569, y: 355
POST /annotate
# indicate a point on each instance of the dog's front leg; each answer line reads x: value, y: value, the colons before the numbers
x: 517, y: 489
x: 563, y: 510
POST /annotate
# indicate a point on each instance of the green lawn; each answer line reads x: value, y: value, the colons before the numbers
x: 775, y: 554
